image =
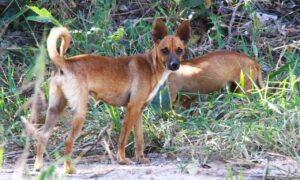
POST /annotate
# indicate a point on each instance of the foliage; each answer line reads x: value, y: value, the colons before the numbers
x: 44, y: 16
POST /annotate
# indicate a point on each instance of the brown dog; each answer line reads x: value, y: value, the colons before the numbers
x: 130, y: 81
x: 212, y: 71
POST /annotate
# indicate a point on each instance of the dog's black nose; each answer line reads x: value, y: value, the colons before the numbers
x: 174, y: 65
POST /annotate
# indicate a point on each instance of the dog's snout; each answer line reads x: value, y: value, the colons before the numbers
x: 173, y: 64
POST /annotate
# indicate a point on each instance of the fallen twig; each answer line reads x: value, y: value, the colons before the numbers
x: 100, y: 136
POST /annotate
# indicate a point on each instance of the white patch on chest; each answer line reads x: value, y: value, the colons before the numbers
x: 160, y: 83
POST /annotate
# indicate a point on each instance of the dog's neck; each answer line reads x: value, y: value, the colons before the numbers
x: 158, y: 67
x: 161, y: 74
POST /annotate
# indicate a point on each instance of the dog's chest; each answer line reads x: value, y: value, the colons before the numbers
x: 160, y: 83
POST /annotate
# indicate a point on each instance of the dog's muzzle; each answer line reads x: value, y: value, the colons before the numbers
x: 173, y: 64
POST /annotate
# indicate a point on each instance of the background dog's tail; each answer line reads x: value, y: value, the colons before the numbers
x: 54, y: 35
x: 261, y: 85
x: 260, y: 81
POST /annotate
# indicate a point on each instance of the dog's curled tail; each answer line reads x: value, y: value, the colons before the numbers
x: 55, y: 34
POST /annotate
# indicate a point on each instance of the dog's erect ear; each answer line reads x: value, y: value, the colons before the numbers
x: 159, y: 31
x: 184, y: 31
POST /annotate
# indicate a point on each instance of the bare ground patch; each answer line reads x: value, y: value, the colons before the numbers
x: 99, y: 167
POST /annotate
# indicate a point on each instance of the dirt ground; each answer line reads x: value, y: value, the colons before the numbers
x: 162, y: 168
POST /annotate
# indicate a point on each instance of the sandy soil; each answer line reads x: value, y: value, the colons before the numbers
x: 162, y: 168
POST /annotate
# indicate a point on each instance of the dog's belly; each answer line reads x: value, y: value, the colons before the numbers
x: 112, y: 98
x: 203, y: 85
x: 112, y: 87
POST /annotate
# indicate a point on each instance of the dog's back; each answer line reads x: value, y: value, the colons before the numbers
x: 212, y: 71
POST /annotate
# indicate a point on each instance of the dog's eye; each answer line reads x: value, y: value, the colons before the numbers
x: 165, y: 51
x: 178, y: 51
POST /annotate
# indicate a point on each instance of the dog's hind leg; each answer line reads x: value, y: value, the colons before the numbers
x: 187, y: 101
x: 248, y: 87
x: 79, y: 116
x: 57, y: 103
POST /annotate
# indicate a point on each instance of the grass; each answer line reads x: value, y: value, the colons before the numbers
x: 218, y: 126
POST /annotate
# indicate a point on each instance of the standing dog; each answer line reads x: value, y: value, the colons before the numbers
x: 212, y: 71
x: 130, y: 81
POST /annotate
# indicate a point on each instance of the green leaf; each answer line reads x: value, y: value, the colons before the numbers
x: 245, y: 48
x: 1, y: 157
x: 280, y: 70
x: 42, y: 176
x: 177, y: 2
x: 41, y: 19
x: 292, y: 79
x: 114, y: 115
x: 242, y: 80
x: 255, y: 50
x: 44, y: 16
x: 2, y: 102
x: 40, y: 12
x: 217, y: 22
x: 118, y: 34
x: 255, y: 21
x: 50, y: 171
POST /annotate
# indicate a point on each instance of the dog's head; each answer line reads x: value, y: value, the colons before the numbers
x: 170, y: 48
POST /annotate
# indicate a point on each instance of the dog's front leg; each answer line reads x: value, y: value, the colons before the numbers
x: 173, y: 89
x: 139, y: 141
x: 134, y: 112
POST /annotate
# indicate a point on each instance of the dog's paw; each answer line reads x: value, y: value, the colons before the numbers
x: 125, y: 161
x: 37, y: 166
x: 143, y: 160
x: 70, y: 169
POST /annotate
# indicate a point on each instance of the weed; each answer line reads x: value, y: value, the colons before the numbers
x: 181, y: 166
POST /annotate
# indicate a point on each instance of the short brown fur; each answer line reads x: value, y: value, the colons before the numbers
x: 130, y: 81
x: 211, y: 72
